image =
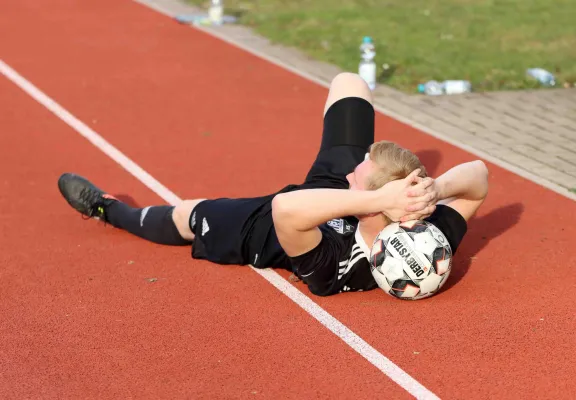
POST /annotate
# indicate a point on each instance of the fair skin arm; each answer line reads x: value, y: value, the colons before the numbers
x: 463, y: 188
x: 297, y: 214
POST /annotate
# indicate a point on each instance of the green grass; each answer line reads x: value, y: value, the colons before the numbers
x: 489, y: 42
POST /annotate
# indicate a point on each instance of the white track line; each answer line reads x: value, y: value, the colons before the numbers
x: 357, y: 343
x: 482, y: 154
x: 89, y: 134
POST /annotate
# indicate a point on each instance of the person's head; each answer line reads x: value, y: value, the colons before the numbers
x: 384, y: 162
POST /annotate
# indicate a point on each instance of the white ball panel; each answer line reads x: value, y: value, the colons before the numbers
x: 443, y: 266
x: 425, y: 243
x: 438, y: 236
x: 430, y: 283
x: 393, y: 268
x: 381, y: 280
x: 410, y: 291
x: 444, y: 278
x: 388, y: 231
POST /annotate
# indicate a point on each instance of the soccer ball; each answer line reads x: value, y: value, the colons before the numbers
x: 411, y: 260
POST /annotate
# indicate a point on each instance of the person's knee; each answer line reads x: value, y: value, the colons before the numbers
x: 181, y: 217
x: 348, y: 79
x: 347, y: 84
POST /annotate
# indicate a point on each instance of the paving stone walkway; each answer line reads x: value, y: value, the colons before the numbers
x: 532, y: 133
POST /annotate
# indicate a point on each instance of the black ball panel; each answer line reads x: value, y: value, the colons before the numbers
x: 399, y: 286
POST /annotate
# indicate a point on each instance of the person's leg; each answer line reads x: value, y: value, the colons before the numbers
x: 347, y: 84
x: 181, y: 216
x: 169, y: 225
x: 348, y: 132
x: 159, y: 224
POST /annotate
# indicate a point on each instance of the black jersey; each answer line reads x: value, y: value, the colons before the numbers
x: 340, y: 263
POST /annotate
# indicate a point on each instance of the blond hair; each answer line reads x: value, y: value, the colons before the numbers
x: 392, y: 162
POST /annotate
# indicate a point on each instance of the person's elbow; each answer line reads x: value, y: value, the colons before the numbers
x: 482, y: 175
x: 283, y: 213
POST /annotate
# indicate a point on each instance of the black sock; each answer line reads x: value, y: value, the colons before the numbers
x: 151, y: 223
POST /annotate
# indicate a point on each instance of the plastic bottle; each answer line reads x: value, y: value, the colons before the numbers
x: 542, y: 76
x: 216, y: 12
x: 367, y: 67
x: 431, y: 88
x: 435, y: 88
x: 457, y: 87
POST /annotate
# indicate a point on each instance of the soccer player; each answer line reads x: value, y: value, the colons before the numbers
x: 322, y: 229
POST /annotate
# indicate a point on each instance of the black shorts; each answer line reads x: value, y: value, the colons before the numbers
x: 241, y: 231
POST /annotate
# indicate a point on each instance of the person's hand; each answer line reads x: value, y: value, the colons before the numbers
x: 409, y: 198
x: 425, y: 195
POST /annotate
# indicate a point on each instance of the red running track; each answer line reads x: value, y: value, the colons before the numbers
x: 81, y: 320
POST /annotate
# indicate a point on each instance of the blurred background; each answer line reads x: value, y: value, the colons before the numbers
x: 490, y: 43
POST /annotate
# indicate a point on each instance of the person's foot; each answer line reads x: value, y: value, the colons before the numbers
x: 84, y: 197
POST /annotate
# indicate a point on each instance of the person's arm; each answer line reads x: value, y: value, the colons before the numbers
x: 297, y: 214
x: 462, y: 188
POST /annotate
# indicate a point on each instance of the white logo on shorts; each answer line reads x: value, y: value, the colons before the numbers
x: 143, y: 215
x: 205, y: 227
x: 193, y: 224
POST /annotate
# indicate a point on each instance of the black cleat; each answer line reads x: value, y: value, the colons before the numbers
x: 84, y: 197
